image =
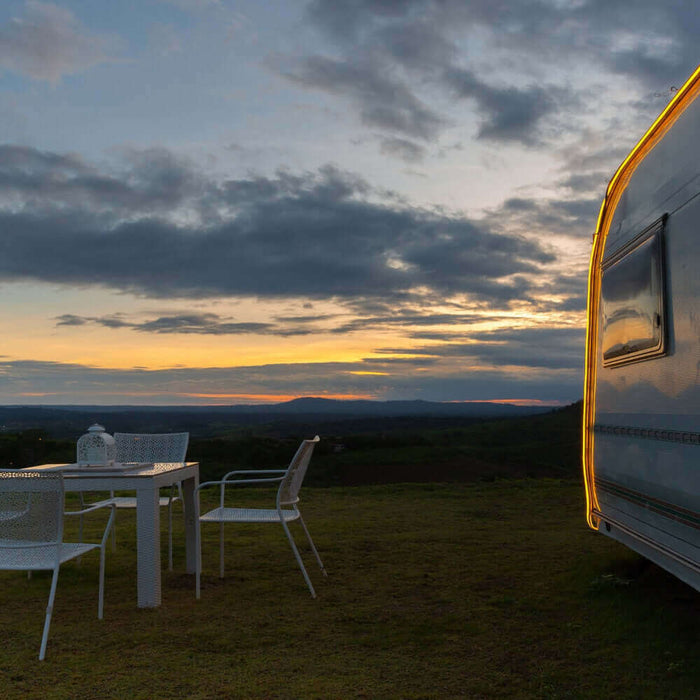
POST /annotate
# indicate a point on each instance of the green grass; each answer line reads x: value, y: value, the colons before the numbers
x: 486, y: 590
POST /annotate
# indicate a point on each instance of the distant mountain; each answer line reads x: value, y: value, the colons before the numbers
x: 308, y: 406
x: 315, y: 406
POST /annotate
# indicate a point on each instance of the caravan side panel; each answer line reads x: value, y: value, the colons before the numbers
x: 642, y: 425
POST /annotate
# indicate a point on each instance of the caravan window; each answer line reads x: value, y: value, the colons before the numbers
x: 634, y: 317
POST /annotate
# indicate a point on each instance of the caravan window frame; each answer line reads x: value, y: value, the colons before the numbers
x: 633, y: 314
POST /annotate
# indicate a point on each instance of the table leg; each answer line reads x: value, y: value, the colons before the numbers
x: 191, y: 516
x: 148, y: 547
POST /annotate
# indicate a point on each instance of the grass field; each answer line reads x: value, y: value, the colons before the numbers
x: 484, y: 590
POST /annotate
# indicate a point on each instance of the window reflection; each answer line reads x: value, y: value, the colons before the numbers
x: 633, y: 301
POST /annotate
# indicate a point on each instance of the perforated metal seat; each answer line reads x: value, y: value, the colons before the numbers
x: 248, y: 515
x: 285, y: 511
x: 31, y: 531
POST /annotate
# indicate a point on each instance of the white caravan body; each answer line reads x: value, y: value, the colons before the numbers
x: 641, y: 435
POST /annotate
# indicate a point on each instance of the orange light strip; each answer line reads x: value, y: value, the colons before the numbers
x: 684, y: 97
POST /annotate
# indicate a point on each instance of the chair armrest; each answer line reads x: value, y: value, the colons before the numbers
x: 253, y: 471
x: 97, y: 506
x: 110, y: 521
x: 224, y: 482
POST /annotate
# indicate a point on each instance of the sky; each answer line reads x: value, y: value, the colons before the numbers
x: 223, y: 202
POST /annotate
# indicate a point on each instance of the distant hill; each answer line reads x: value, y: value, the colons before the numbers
x: 309, y: 406
x: 313, y: 406
x: 65, y: 421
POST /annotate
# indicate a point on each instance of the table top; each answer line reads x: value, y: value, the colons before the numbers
x: 146, y: 472
x: 133, y: 468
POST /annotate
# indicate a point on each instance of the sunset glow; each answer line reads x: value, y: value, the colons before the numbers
x: 244, y: 213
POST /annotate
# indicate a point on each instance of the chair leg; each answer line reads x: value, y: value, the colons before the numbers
x: 313, y: 546
x: 78, y: 561
x: 114, y: 534
x: 298, y: 558
x: 198, y: 561
x: 114, y: 526
x: 49, y: 612
x: 221, y: 550
x: 170, y: 533
x: 101, y: 597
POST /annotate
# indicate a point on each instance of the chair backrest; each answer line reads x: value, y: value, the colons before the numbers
x: 151, y: 447
x: 31, y: 508
x: 288, y: 492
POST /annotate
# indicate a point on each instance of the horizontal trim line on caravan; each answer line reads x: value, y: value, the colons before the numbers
x: 684, y: 436
x: 669, y: 510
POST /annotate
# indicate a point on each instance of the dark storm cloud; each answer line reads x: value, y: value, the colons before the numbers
x: 390, y: 53
x: 173, y: 233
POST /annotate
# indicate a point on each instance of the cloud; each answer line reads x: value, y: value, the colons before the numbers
x: 26, y: 382
x: 397, y: 57
x: 510, y: 349
x: 193, y: 5
x: 153, y: 181
x: 554, y: 348
x: 190, y: 323
x: 591, y: 182
x: 404, y: 149
x: 48, y: 42
x: 402, y: 317
x: 657, y: 39
x: 508, y: 113
x: 564, y: 217
x: 383, y: 101
x: 160, y: 228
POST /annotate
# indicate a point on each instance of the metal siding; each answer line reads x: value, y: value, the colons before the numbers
x: 661, y: 393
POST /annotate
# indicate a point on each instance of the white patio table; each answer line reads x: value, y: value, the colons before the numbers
x: 146, y: 480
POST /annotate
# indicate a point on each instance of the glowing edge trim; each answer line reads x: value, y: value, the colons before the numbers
x: 616, y: 187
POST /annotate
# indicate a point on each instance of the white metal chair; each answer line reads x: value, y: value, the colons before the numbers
x: 150, y: 448
x: 31, y: 531
x: 285, y: 510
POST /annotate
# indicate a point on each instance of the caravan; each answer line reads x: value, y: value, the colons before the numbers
x: 641, y: 439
